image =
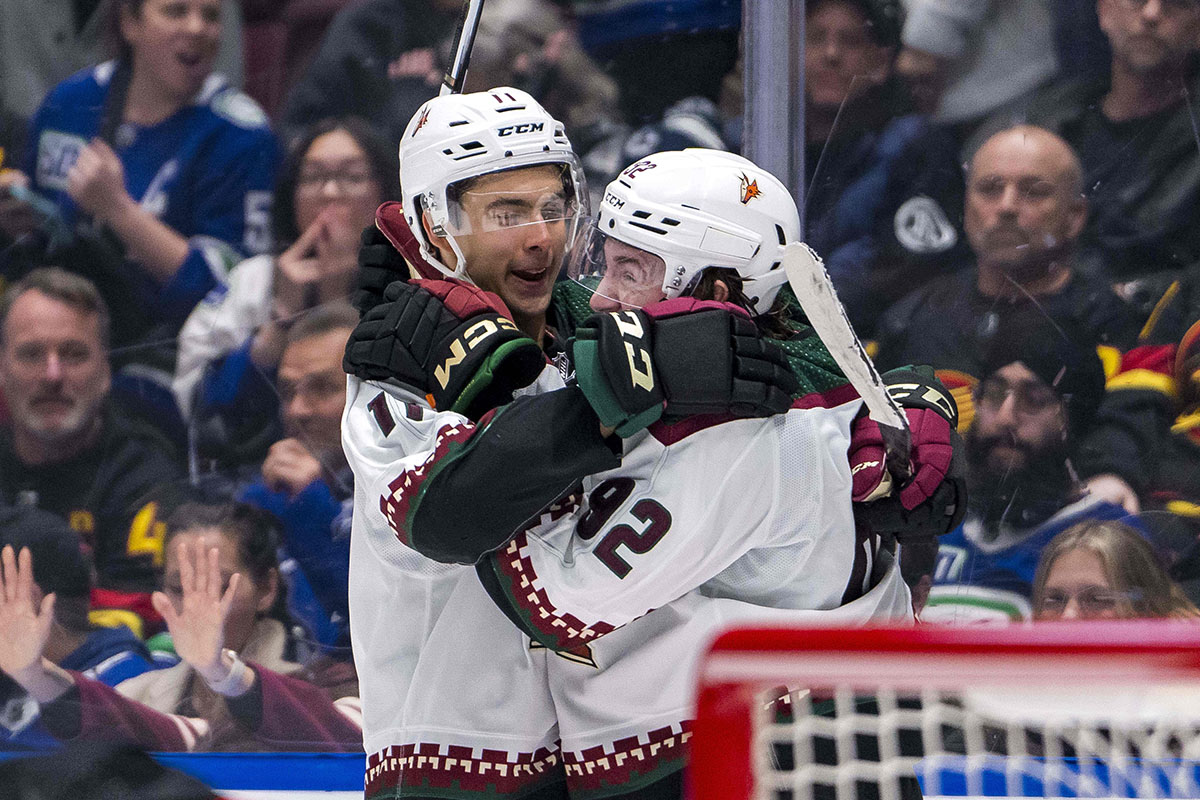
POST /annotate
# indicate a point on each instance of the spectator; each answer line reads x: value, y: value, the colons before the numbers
x: 160, y: 153
x: 1134, y: 133
x: 43, y: 43
x: 221, y: 582
x: 530, y: 45
x: 60, y: 567
x: 67, y: 450
x: 1024, y: 213
x: 305, y: 480
x: 1105, y: 570
x: 379, y: 60
x: 1037, y: 399
x: 885, y: 189
x: 1148, y: 432
x: 334, y: 178
x: 661, y: 51
x: 966, y: 58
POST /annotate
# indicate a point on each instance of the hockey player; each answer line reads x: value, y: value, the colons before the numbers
x: 415, y: 464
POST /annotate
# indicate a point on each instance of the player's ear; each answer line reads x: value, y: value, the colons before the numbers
x: 720, y: 291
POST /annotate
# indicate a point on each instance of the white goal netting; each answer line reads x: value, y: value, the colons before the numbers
x: 1108, y: 710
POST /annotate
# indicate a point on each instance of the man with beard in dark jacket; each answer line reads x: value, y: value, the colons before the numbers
x: 1039, y: 393
x: 68, y: 450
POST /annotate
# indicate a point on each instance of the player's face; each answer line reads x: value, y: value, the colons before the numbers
x: 515, y: 231
x: 1149, y: 36
x: 53, y: 368
x: 841, y: 59
x: 250, y: 600
x: 633, y: 278
x: 312, y: 391
x: 174, y: 43
x: 1018, y: 418
x: 1021, y: 210
x: 335, y: 177
x: 1077, y: 587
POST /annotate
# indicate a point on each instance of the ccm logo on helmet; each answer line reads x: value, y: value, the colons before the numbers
x: 524, y: 127
x: 470, y: 339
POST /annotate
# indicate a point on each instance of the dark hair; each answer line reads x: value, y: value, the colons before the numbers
x: 114, y: 43
x: 773, y: 324
x: 255, y: 531
x: 67, y: 288
x: 381, y: 155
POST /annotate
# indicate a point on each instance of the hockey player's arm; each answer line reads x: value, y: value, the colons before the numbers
x: 473, y: 485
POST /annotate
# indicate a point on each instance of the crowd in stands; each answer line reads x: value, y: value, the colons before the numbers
x: 1004, y: 190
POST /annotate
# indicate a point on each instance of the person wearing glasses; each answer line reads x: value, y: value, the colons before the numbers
x: 1024, y: 213
x: 1036, y: 400
x: 335, y: 176
x: 1105, y: 570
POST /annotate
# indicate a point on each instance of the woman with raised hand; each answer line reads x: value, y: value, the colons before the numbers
x: 234, y: 688
x: 158, y: 150
x: 336, y: 174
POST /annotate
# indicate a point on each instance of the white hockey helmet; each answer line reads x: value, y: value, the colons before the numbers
x: 696, y: 209
x: 457, y: 137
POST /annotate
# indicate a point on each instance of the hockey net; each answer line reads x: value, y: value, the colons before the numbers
x: 1053, y: 710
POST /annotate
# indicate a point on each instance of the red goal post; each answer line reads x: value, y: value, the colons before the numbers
x: 1087, y: 685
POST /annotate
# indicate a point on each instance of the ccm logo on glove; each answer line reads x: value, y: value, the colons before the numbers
x: 471, y: 338
x: 640, y: 371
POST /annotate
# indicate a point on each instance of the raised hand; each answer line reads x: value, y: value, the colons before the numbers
x: 97, y: 181
x: 290, y: 466
x: 296, y: 269
x: 197, y: 624
x: 24, y: 623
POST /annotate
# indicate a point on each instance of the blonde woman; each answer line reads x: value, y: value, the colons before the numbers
x: 1105, y: 570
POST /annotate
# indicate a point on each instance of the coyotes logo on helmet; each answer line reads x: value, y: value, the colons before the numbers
x: 421, y: 122
x: 750, y: 189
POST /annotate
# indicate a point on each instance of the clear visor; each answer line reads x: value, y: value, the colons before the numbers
x: 617, y: 274
x: 533, y: 202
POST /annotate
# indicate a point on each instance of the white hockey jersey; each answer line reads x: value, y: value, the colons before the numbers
x: 710, y: 521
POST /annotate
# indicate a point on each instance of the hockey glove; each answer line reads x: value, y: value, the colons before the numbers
x: 388, y: 251
x: 676, y: 359
x: 449, y: 340
x: 933, y: 501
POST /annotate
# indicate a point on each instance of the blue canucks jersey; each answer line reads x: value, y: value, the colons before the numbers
x: 207, y: 171
x: 977, y: 580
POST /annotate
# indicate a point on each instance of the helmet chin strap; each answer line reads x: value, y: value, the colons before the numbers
x: 461, y: 271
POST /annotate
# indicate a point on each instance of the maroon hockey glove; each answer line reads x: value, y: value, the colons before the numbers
x: 388, y: 251
x: 933, y: 502
x: 449, y: 340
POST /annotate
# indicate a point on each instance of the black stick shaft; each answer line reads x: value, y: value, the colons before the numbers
x: 468, y: 25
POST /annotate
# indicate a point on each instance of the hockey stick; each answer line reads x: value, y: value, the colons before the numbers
x: 810, y: 281
x: 468, y: 26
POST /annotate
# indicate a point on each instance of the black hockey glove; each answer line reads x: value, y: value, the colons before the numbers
x: 448, y: 339
x: 676, y: 359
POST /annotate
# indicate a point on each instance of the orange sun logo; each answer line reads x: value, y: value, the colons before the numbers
x: 421, y: 122
x: 750, y: 189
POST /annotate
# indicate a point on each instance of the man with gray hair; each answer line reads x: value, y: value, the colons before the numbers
x: 66, y: 449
